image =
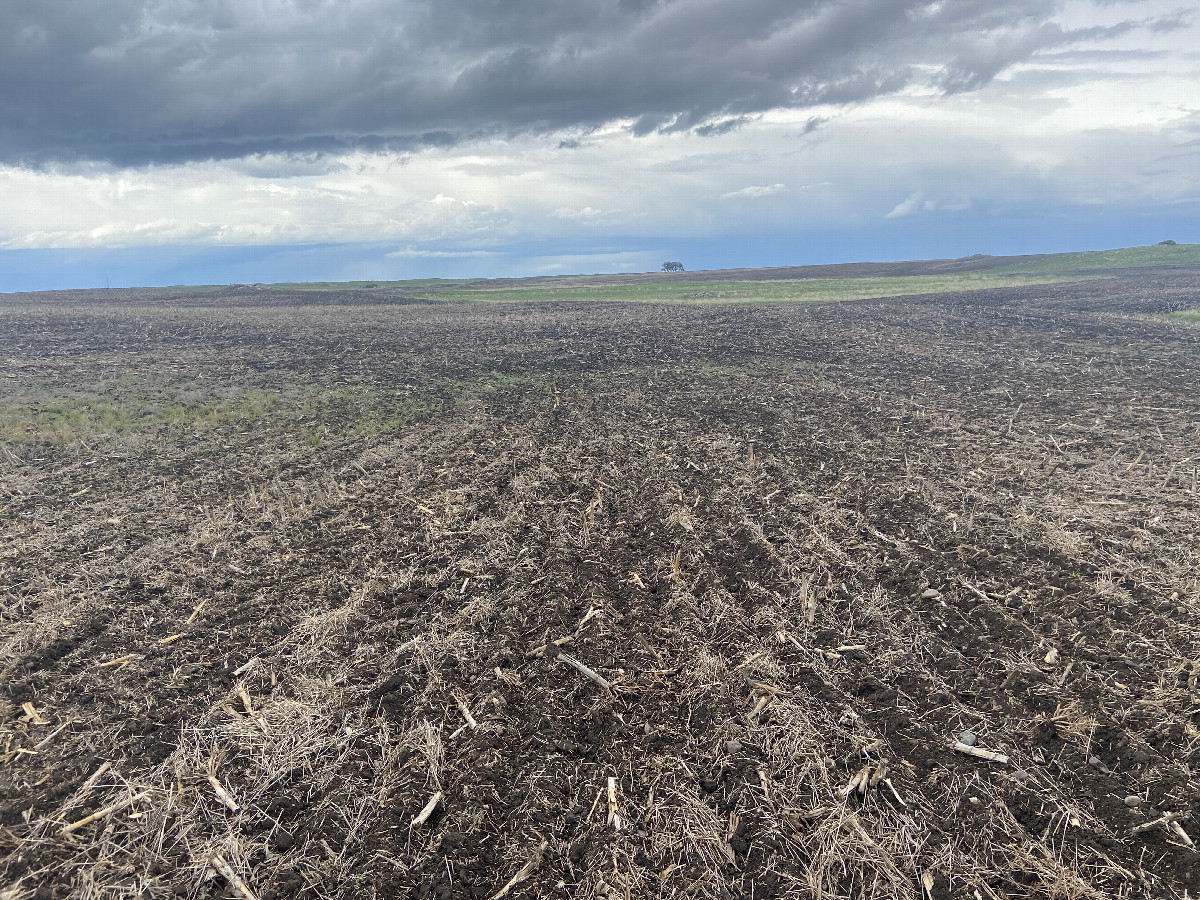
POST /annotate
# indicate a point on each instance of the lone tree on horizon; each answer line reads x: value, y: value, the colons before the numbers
x: 672, y: 266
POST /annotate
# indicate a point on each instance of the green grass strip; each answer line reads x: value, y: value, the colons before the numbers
x: 1127, y: 258
x: 809, y: 290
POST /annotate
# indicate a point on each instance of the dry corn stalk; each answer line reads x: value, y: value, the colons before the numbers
x: 427, y: 810
x: 466, y: 711
x: 524, y: 872
x: 980, y: 753
x: 103, y: 813
x: 119, y: 661
x: 32, y: 716
x: 808, y: 602
x: 235, y: 882
x: 585, y: 671
x: 614, y: 817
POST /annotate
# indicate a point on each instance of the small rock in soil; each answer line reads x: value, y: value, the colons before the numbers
x: 968, y: 738
x: 1133, y: 801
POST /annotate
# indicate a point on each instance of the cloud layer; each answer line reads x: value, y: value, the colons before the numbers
x: 254, y: 140
x: 164, y: 81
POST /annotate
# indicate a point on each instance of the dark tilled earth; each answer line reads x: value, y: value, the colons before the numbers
x: 334, y: 595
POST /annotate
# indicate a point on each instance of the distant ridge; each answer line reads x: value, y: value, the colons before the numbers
x: 1153, y: 256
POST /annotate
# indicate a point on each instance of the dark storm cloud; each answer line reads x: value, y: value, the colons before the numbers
x: 145, y: 81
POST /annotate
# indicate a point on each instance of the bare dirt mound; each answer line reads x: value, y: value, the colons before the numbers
x: 882, y: 599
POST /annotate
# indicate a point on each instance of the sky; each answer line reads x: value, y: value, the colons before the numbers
x: 150, y: 142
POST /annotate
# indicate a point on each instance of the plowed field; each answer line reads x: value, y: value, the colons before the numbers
x: 337, y: 594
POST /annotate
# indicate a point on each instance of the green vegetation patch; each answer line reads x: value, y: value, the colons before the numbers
x: 48, y: 417
x: 360, y: 410
x: 313, y: 412
x: 417, y: 285
x: 1190, y: 315
x: 804, y: 290
x: 1126, y: 258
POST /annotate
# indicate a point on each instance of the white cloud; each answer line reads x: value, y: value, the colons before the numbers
x: 596, y: 262
x: 905, y: 207
x: 756, y: 190
x: 419, y: 253
x: 915, y: 203
x: 587, y: 214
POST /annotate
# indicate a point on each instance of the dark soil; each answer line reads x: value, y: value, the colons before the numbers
x: 800, y: 545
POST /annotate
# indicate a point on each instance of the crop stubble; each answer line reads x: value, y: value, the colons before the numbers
x: 314, y: 648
